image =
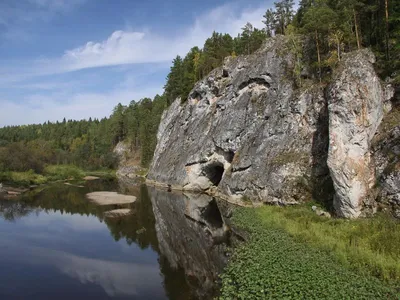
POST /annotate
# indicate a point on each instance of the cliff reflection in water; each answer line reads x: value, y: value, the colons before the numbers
x: 191, y: 236
x: 176, y: 240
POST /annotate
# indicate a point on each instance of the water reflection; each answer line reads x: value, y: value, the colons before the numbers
x: 116, y: 278
x: 172, y: 246
x: 190, y: 233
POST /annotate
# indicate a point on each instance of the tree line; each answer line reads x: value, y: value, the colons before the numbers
x: 339, y: 26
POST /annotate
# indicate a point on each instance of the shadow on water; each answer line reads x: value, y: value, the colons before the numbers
x: 184, y: 235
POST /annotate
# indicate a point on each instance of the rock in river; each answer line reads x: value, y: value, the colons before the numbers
x: 109, y: 198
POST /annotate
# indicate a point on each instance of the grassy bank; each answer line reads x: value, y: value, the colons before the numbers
x: 52, y: 173
x: 292, y: 253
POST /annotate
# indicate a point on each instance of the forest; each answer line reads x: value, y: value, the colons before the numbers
x: 320, y: 32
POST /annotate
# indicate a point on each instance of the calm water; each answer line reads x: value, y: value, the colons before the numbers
x: 54, y: 244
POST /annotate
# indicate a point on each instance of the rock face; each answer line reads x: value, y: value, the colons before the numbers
x: 386, y: 153
x: 129, y: 161
x: 248, y: 133
x: 247, y: 130
x: 356, y: 108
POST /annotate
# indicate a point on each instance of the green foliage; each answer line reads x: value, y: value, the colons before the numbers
x: 340, y: 26
x: 22, y: 178
x: 58, y: 172
x: 283, y: 15
x: 52, y: 173
x: 87, y: 144
x: 294, y: 254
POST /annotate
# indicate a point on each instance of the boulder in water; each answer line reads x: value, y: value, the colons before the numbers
x: 109, y: 198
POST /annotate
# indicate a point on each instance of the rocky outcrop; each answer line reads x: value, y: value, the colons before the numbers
x: 247, y: 130
x: 248, y: 133
x: 356, y: 107
x: 128, y: 161
x: 386, y: 154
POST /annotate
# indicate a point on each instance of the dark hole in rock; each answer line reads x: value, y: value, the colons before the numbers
x: 225, y: 73
x: 260, y: 81
x: 229, y: 156
x: 196, y: 95
x: 214, y: 172
x: 212, y: 215
x: 215, y: 90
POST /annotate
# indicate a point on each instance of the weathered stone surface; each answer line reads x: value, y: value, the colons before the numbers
x: 248, y: 134
x: 246, y: 129
x: 128, y: 161
x: 356, y: 101
x: 122, y: 150
x: 109, y: 198
x: 386, y: 149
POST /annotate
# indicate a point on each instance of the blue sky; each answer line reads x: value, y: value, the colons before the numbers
x: 79, y: 58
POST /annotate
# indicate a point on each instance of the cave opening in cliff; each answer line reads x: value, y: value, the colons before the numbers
x: 214, y: 172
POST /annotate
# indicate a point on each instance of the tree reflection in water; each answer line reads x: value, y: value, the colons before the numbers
x: 187, y: 231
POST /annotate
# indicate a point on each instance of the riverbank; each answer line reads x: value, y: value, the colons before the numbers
x: 293, y: 253
x: 50, y: 174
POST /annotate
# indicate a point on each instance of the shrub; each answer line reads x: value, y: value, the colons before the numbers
x: 282, y: 261
x: 58, y: 172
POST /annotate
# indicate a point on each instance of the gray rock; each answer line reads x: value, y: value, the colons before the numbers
x: 386, y: 149
x: 356, y: 100
x: 320, y: 212
x: 110, y: 198
x: 250, y: 133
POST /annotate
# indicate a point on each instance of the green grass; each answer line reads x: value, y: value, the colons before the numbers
x: 294, y: 254
x: 22, y: 178
x: 60, y: 172
x: 52, y: 173
x: 368, y: 245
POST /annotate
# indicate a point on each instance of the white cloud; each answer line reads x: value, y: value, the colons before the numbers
x: 121, y: 48
x: 116, y: 278
x: 133, y: 47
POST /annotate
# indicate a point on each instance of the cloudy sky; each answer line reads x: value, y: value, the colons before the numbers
x: 79, y: 58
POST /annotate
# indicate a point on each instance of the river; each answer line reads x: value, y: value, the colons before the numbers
x: 55, y: 244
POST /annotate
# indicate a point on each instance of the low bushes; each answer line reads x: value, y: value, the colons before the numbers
x: 294, y: 254
x: 22, y: 178
x: 59, y: 172
x: 51, y: 173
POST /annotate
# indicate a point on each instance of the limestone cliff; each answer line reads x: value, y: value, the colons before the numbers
x: 247, y: 132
